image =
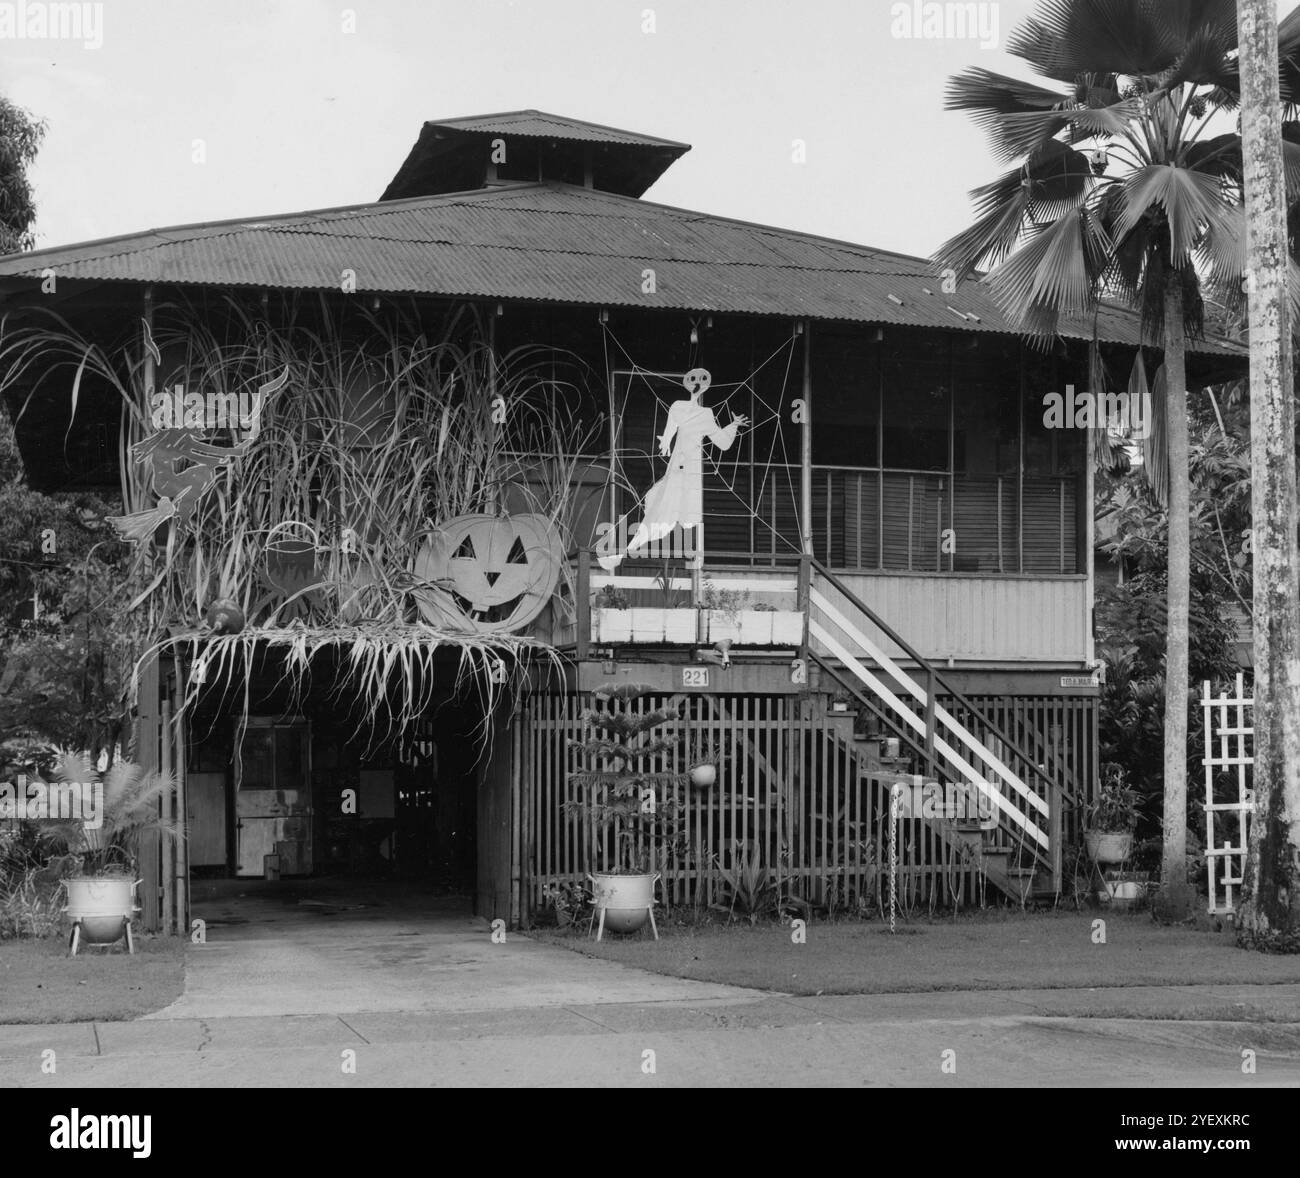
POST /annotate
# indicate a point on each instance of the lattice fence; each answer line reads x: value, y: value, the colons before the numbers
x: 1229, y: 800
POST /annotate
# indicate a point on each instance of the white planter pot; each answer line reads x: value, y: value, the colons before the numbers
x: 611, y: 625
x: 756, y: 627
x: 787, y: 627
x: 1127, y: 889
x: 704, y: 776
x: 681, y: 626
x: 626, y: 900
x: 723, y: 627
x: 102, y: 906
x: 647, y: 624
x: 1108, y: 846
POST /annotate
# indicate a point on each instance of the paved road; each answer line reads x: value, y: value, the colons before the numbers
x: 994, y: 1039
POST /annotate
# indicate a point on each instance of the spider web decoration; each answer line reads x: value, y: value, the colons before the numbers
x: 665, y: 388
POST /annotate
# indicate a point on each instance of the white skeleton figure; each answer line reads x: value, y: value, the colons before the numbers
x: 677, y: 499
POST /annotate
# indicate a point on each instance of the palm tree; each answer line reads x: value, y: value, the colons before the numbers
x: 1125, y: 186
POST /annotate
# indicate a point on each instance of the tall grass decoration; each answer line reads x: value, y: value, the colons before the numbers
x: 388, y: 426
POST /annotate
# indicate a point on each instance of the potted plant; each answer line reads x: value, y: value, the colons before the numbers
x: 104, y: 845
x: 681, y: 622
x: 702, y: 764
x: 724, y: 611
x: 624, y: 794
x: 1112, y: 818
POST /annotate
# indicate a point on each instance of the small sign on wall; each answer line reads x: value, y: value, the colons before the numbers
x: 695, y: 676
x: 1080, y: 681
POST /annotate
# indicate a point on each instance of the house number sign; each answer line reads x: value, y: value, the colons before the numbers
x: 695, y: 676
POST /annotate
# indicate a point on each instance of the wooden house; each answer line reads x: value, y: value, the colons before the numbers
x: 891, y: 579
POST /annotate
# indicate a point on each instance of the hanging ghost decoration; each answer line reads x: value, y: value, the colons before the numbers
x: 677, y: 499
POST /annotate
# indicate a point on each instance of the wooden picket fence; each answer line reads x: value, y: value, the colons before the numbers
x: 789, y: 785
x: 1229, y: 800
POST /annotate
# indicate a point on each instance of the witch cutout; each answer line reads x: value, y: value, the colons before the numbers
x: 677, y: 499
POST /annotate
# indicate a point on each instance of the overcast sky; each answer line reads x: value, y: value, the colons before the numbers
x: 300, y: 105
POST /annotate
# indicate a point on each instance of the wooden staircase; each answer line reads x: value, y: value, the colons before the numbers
x: 1017, y: 844
x: 991, y: 854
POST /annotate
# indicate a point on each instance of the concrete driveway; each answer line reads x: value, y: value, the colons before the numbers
x: 322, y: 948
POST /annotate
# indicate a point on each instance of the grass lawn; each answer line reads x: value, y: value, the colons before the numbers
x: 988, y: 951
x: 39, y: 983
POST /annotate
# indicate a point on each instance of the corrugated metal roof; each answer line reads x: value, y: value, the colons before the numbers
x: 556, y: 243
x: 538, y: 124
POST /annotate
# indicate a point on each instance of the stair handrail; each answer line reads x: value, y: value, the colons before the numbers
x: 933, y: 672
x: 1049, y: 859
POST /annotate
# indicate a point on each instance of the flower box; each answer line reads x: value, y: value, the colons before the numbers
x: 682, y: 626
x: 611, y: 625
x: 787, y: 627
x: 756, y: 627
x: 648, y: 625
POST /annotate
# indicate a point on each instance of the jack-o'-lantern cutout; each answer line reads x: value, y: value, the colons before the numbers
x: 483, y: 572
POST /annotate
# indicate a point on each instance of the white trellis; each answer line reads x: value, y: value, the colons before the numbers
x: 1229, y: 800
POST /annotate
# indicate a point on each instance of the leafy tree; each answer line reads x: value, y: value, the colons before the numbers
x: 20, y: 139
x: 1132, y: 617
x: 1122, y: 187
x: 64, y: 647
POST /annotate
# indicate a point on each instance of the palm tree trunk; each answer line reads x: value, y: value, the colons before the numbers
x: 1271, y: 896
x: 1175, y: 895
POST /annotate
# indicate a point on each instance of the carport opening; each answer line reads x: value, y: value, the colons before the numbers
x: 302, y: 795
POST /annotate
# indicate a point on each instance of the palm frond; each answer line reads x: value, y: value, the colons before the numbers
x: 1135, y: 38
x: 1050, y: 184
x: 1191, y: 202
x: 1055, y: 271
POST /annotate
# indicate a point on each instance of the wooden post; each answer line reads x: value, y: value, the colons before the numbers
x: 493, y: 490
x: 929, y: 723
x: 147, y: 733
x: 1054, y: 802
x: 182, y: 809
x: 805, y: 444
x: 805, y: 605
x: 167, y: 847
x: 517, y: 903
x: 582, y: 604
x: 146, y: 754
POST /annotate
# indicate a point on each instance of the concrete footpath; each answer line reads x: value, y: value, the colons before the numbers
x: 1013, y: 1037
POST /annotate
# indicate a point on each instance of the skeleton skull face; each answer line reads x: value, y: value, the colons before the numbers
x: 697, y: 382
